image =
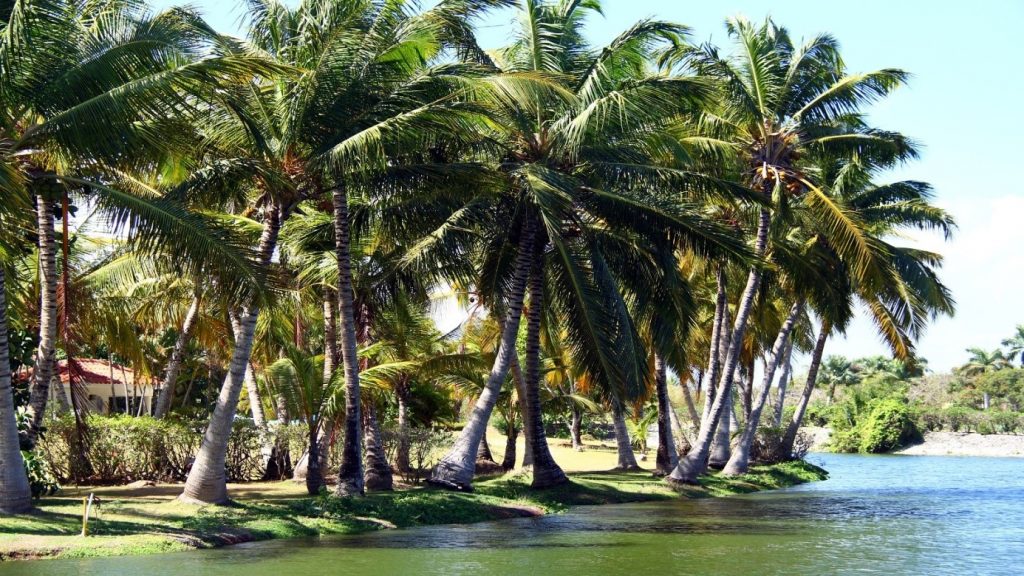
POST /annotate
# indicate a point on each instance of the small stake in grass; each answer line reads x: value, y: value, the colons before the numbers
x: 86, y: 505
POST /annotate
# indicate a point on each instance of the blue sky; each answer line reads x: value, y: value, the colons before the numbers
x: 963, y: 104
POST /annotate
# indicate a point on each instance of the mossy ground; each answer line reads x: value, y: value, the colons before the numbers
x: 149, y: 520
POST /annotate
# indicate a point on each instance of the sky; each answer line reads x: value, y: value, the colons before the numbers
x: 963, y: 105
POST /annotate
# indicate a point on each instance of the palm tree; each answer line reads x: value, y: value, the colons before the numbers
x: 1015, y: 345
x: 575, y: 160
x: 984, y: 361
x: 838, y: 371
x: 783, y: 104
x: 87, y: 97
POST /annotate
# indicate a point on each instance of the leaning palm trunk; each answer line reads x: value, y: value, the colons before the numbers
x: 456, y: 469
x: 691, y: 408
x: 378, y: 475
x: 787, y: 369
x: 789, y: 439
x: 350, y: 475
x: 15, y: 493
x: 163, y: 404
x: 739, y: 462
x: 667, y: 458
x: 546, y: 472
x: 46, y: 352
x: 206, y: 483
x: 627, y: 461
x: 695, y: 462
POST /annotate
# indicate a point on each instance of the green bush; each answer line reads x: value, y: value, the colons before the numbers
x: 124, y: 449
x: 888, y: 426
x: 40, y: 478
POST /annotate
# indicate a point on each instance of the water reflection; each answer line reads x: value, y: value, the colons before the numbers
x: 876, y: 515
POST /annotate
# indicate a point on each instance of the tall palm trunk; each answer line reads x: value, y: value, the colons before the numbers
x: 378, y: 475
x: 812, y: 376
x: 508, y: 461
x: 313, y: 476
x: 402, y: 453
x: 695, y: 462
x: 483, y: 452
x: 667, y: 458
x: 455, y: 470
x: 520, y: 384
x: 163, y: 404
x: 691, y: 408
x: 46, y: 352
x: 546, y: 472
x: 206, y: 483
x: 259, y: 418
x: 331, y: 361
x: 787, y: 369
x: 15, y: 493
x: 718, y: 343
x: 739, y: 462
x: 627, y: 461
x: 575, y: 425
x: 721, y: 443
x: 350, y: 475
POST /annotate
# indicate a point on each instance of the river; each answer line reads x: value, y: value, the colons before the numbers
x: 875, y: 515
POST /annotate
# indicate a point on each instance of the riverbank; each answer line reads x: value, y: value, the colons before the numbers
x: 967, y: 444
x: 148, y: 520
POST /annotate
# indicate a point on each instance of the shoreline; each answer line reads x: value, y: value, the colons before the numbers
x: 967, y: 444
x: 941, y: 443
x: 147, y: 520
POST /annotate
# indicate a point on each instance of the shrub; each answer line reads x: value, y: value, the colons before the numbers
x: 123, y: 449
x: 887, y: 427
x: 959, y: 418
x: 40, y: 478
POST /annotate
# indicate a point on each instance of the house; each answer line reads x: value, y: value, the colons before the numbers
x: 109, y: 387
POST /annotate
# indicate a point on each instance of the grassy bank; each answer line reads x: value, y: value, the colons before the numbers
x: 149, y: 520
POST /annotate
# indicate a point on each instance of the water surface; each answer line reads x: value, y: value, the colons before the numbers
x: 875, y: 515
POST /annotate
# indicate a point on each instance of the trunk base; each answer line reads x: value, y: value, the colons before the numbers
x: 548, y: 477
x: 348, y: 487
x: 451, y: 476
x: 378, y: 480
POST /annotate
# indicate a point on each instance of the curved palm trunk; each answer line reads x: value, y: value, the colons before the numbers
x: 812, y: 375
x: 667, y: 458
x: 378, y: 472
x: 739, y: 462
x: 691, y: 408
x: 720, y: 445
x: 546, y: 472
x: 350, y: 475
x: 259, y: 418
x: 206, y: 483
x: 695, y: 462
x: 627, y: 461
x: 163, y: 404
x: 787, y: 369
x: 46, y: 352
x: 15, y: 493
x: 455, y: 470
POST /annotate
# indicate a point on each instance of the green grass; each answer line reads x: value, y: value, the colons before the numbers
x: 149, y: 520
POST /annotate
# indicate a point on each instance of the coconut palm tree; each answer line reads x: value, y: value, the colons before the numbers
x: 783, y: 104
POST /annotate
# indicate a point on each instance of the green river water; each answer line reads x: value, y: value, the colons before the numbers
x: 875, y: 515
